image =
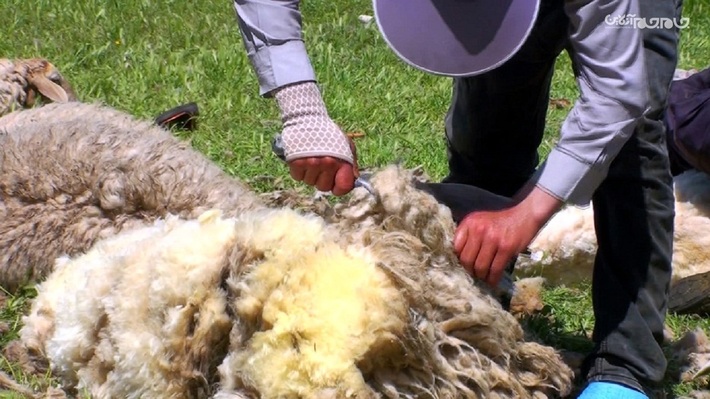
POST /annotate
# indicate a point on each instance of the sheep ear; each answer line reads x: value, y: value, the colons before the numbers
x: 49, y: 89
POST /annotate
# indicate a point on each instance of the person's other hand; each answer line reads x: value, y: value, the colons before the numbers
x: 487, y: 241
x: 316, y: 149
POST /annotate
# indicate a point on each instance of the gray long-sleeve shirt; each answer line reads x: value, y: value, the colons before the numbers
x: 611, y: 78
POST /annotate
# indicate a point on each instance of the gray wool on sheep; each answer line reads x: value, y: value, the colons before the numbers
x: 73, y: 173
x: 12, y: 87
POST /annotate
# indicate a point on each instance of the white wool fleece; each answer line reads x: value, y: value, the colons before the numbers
x: 149, y: 311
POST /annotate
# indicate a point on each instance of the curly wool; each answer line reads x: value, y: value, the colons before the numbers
x: 369, y: 305
x: 477, y: 349
x: 127, y: 320
x: 13, y: 83
x: 74, y: 173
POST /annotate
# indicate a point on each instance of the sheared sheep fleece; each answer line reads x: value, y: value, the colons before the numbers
x: 370, y: 304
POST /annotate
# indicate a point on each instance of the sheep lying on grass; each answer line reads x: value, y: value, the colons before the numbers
x: 274, y: 303
x: 22, y: 82
x: 74, y: 173
x: 568, y: 241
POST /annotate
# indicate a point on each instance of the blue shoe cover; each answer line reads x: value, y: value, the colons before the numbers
x: 609, y: 390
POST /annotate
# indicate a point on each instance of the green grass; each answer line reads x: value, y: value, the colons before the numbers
x: 11, y: 314
x: 145, y: 56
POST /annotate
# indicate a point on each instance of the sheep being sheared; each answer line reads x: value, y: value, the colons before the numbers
x: 569, y: 244
x: 23, y: 81
x: 73, y: 173
x: 372, y: 304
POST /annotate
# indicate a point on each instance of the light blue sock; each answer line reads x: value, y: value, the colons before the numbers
x: 610, y: 390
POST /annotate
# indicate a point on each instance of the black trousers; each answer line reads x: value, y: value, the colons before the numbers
x: 494, y: 127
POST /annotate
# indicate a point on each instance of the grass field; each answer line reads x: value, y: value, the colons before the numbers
x: 145, y: 56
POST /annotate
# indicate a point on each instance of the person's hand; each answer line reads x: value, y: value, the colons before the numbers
x: 316, y: 150
x: 326, y: 173
x: 487, y: 241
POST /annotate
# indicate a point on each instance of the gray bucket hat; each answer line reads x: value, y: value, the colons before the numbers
x: 455, y: 37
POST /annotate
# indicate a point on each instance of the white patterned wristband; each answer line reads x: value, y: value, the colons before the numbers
x: 308, y: 131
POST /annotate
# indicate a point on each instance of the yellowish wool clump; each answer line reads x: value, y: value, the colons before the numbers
x: 322, y: 310
x: 322, y: 323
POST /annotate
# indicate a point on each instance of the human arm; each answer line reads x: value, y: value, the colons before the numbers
x: 486, y: 241
x: 317, y: 151
x: 273, y: 39
x: 613, y: 97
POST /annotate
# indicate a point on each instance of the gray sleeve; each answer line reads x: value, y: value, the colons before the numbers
x: 613, y: 97
x: 271, y: 32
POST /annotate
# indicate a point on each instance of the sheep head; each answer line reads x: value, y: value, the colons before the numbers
x: 44, y: 79
x: 24, y: 81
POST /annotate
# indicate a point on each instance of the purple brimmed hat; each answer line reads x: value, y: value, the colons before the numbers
x: 455, y: 37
